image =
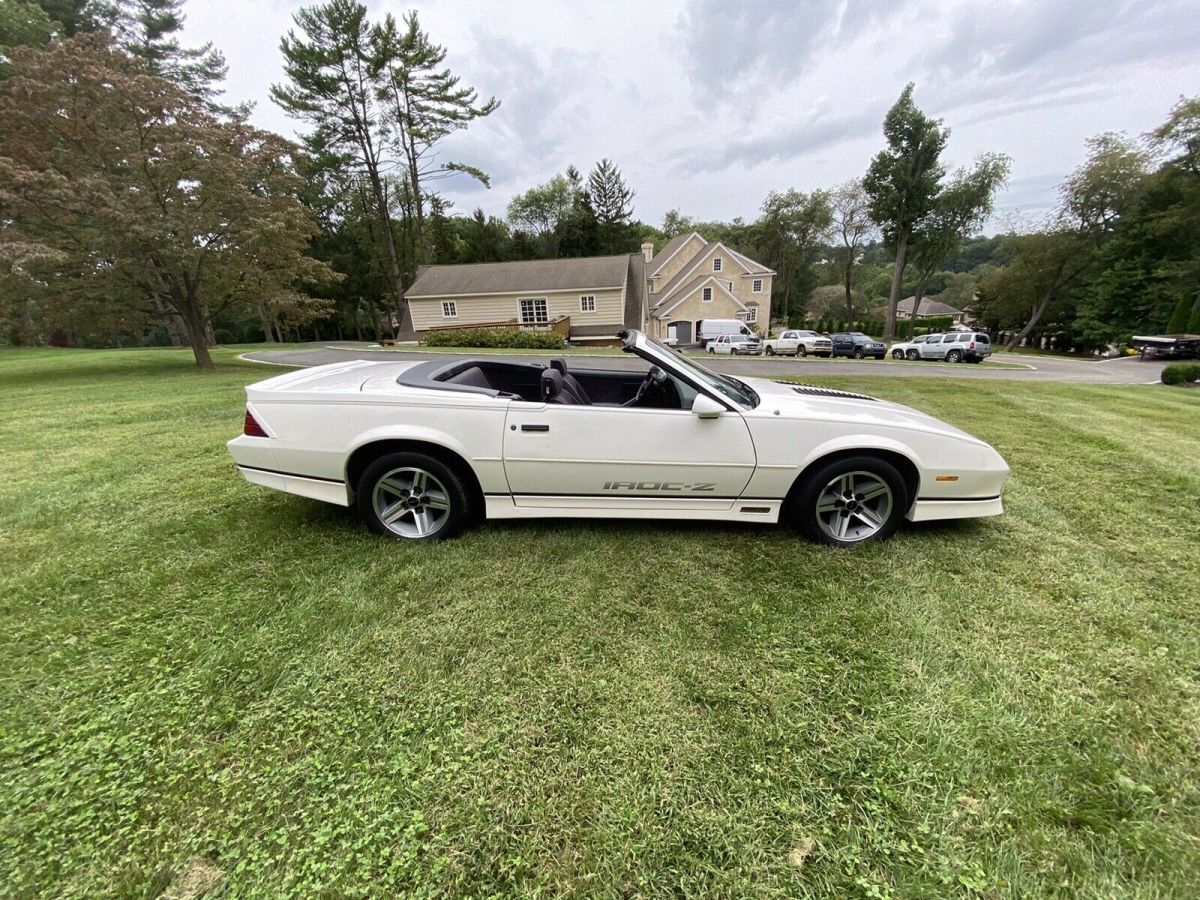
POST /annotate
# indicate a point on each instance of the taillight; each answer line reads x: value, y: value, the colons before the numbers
x: 971, y: 346
x: 252, y: 427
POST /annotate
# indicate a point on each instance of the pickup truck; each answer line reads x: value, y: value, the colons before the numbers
x: 795, y: 342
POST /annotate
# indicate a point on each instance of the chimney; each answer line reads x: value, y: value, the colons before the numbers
x: 648, y: 251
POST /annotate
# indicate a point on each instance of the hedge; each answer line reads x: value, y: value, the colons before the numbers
x: 1181, y: 373
x: 501, y: 338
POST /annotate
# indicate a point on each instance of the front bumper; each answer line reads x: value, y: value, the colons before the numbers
x: 931, y: 510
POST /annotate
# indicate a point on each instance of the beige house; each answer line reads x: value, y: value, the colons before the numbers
x: 931, y: 309
x: 589, y: 300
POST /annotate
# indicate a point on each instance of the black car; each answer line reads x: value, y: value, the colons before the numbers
x: 857, y: 345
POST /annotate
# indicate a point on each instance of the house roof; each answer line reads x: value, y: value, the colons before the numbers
x: 700, y: 280
x: 929, y: 307
x: 519, y: 276
x: 668, y: 251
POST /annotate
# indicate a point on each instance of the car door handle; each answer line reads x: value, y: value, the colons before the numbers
x: 535, y: 427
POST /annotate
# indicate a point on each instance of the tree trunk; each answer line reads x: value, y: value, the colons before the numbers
x: 197, y: 328
x: 889, y: 326
x: 265, y: 319
x: 917, y: 298
x: 389, y: 237
x: 848, y: 281
x: 1033, y: 320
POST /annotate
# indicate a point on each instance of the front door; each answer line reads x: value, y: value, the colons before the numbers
x: 605, y: 456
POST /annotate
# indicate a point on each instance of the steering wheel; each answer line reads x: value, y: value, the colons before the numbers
x: 656, y: 377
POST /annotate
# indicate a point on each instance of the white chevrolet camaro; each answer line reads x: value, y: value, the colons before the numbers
x: 423, y: 448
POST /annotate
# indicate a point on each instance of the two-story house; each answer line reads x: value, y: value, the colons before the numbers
x: 590, y: 299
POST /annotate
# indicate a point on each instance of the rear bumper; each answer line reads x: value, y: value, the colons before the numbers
x: 314, y: 488
x: 931, y: 510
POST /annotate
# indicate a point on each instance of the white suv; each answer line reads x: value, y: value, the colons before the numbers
x: 735, y: 345
x: 957, y: 346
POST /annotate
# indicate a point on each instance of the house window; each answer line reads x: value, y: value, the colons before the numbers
x: 717, y: 264
x: 534, y: 312
x: 757, y: 286
x: 449, y: 309
x: 752, y: 313
x: 587, y: 303
x: 706, y: 295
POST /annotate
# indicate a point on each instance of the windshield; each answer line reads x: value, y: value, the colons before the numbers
x: 737, y: 391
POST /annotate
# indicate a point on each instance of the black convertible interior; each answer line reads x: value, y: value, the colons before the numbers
x: 555, y: 383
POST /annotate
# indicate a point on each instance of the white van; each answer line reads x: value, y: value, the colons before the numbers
x: 709, y: 329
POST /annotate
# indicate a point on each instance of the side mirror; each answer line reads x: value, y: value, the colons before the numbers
x: 706, y: 407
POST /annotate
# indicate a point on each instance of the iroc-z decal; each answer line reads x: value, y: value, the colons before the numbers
x: 699, y: 486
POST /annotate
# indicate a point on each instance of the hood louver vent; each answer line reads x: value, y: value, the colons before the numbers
x: 815, y: 391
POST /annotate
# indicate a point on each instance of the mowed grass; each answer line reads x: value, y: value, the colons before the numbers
x: 203, y: 683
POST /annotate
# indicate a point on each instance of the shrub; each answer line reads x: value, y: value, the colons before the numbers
x: 1181, y: 373
x: 501, y: 338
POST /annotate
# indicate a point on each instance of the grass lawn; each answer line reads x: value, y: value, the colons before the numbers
x: 203, y: 682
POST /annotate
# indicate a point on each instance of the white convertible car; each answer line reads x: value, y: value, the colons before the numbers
x: 424, y: 448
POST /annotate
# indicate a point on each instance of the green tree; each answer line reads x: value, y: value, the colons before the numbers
x: 149, y: 30
x: 675, y: 222
x: 791, y: 227
x: 22, y: 24
x: 1182, y: 314
x: 612, y: 200
x: 960, y: 209
x: 122, y: 195
x: 331, y: 67
x: 74, y: 17
x: 853, y: 228
x: 541, y: 211
x: 423, y: 103
x: 903, y: 181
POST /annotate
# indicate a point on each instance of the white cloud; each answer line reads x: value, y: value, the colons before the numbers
x: 707, y: 106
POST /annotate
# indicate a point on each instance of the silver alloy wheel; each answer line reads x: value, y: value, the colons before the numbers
x: 854, y: 506
x: 411, y: 502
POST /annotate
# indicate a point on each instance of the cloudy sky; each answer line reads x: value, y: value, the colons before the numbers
x: 706, y: 106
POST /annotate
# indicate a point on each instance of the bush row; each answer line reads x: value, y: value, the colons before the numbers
x: 1181, y: 373
x: 876, y: 326
x: 502, y: 338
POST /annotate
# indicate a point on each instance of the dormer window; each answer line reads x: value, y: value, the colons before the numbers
x: 716, y: 264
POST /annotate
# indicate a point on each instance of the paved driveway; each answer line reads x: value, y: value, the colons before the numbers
x: 1129, y: 370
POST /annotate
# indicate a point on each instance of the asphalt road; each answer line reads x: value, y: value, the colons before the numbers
x: 1129, y: 370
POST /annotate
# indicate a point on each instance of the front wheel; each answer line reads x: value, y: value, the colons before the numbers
x: 913, y: 355
x: 412, y: 496
x: 850, y: 501
x: 954, y: 356
x: 801, y: 350
x: 770, y: 351
x: 712, y: 351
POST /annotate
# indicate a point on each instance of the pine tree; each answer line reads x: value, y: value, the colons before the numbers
x: 149, y: 29
x: 1178, y: 322
x: 423, y: 103
x: 611, y: 198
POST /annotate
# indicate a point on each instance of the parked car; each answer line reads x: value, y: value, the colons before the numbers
x: 910, y: 349
x: 711, y: 329
x: 856, y: 344
x: 424, y: 448
x: 957, y: 346
x: 796, y: 342
x: 735, y: 345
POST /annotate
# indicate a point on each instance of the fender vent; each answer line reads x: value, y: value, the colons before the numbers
x: 815, y: 391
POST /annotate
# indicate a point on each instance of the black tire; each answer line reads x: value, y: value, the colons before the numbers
x: 802, y: 505
x: 912, y: 355
x: 897, y: 354
x: 858, y: 354
x: 456, y: 496
x: 770, y: 351
x: 954, y: 356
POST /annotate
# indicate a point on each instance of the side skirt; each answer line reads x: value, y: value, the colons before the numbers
x: 504, y: 506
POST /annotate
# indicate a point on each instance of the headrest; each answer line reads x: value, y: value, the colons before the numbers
x: 559, y: 365
x: 552, y: 382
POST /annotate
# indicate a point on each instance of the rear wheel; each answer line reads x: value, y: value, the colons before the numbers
x: 912, y: 355
x: 851, y: 501
x: 412, y: 496
x: 954, y: 356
